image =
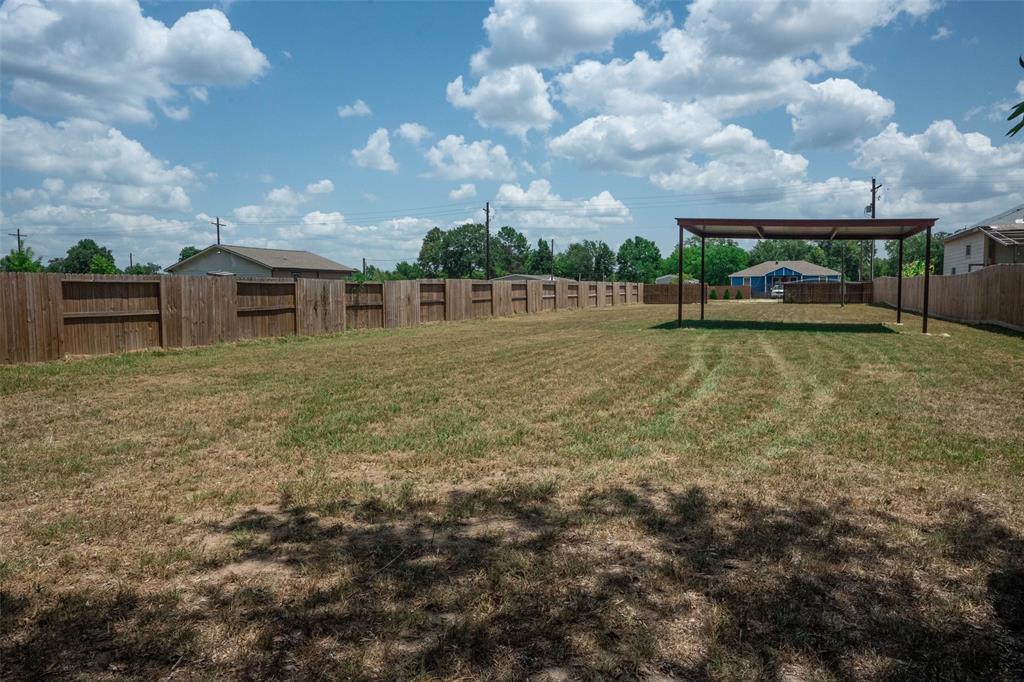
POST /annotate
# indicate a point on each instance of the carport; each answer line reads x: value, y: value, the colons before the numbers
x: 831, y: 229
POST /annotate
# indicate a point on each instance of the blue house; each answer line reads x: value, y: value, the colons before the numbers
x: 763, y: 276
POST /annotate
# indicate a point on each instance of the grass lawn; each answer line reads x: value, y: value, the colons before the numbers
x: 587, y: 494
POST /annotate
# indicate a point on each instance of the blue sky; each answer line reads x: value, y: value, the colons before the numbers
x: 136, y: 124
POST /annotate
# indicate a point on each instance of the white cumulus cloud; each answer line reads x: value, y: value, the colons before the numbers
x: 100, y: 162
x: 836, y: 112
x: 413, y: 132
x: 513, y: 99
x: 944, y: 166
x: 105, y: 60
x: 549, y: 34
x: 377, y: 153
x: 464, y: 191
x: 357, y: 108
x: 537, y: 207
x: 454, y: 159
x: 679, y: 148
x: 324, y: 186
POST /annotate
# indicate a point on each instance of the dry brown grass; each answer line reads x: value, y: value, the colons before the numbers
x: 587, y: 494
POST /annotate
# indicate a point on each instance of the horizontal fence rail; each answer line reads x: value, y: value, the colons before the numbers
x: 827, y: 292
x: 669, y: 293
x: 993, y: 295
x: 46, y: 316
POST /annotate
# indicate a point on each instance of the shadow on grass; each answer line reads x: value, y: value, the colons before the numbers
x: 620, y: 583
x: 779, y: 326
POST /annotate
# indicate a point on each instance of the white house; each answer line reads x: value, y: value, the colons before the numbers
x: 999, y: 239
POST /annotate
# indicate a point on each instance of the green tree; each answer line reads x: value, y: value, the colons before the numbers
x: 542, y: 260
x: 188, y: 252
x: 786, y: 249
x: 604, y: 261
x: 462, y: 253
x: 140, y: 269
x: 846, y: 256
x: 21, y: 260
x: 670, y: 264
x: 404, y: 270
x: 429, y: 261
x: 915, y: 268
x: 79, y: 258
x: 510, y: 251
x: 638, y: 260
x: 722, y: 257
x: 576, y: 262
x: 1017, y: 112
x: 913, y: 250
x: 99, y: 264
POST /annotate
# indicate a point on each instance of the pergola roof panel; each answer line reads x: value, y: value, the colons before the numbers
x: 800, y: 228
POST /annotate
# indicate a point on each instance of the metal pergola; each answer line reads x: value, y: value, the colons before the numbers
x: 832, y: 229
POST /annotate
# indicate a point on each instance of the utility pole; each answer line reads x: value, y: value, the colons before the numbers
x: 217, y: 222
x: 487, y: 244
x: 17, y: 233
x: 874, y: 191
x: 364, y: 267
x: 130, y: 263
x: 552, y: 260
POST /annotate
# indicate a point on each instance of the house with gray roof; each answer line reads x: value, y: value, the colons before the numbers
x: 998, y: 239
x: 249, y: 261
x: 763, y: 276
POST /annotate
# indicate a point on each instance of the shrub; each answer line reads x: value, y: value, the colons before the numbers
x: 739, y: 294
x: 725, y: 296
x: 713, y: 295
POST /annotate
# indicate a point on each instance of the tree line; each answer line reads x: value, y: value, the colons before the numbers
x: 460, y: 252
x: 85, y: 257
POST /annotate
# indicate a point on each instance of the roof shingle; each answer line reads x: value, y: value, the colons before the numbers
x: 280, y: 258
x: 801, y: 266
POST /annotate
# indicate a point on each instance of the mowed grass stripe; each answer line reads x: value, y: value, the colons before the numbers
x: 582, y: 494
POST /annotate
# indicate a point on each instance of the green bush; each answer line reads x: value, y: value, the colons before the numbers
x: 725, y: 296
x: 713, y: 295
x: 739, y: 294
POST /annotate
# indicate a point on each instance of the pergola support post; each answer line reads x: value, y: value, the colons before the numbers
x: 899, y: 286
x: 702, y: 292
x: 679, y: 280
x: 842, y: 280
x: 927, y: 277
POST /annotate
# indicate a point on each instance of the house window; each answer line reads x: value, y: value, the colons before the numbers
x: 953, y: 272
x: 967, y: 251
x: 296, y: 275
x: 746, y: 281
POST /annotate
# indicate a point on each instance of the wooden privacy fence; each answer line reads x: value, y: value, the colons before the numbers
x: 827, y: 292
x: 669, y: 293
x: 48, y: 316
x: 992, y: 295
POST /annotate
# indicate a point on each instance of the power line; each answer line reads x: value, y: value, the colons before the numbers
x: 638, y: 203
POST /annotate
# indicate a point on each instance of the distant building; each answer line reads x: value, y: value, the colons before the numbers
x: 999, y: 239
x: 671, y: 279
x: 249, y: 261
x: 763, y: 276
